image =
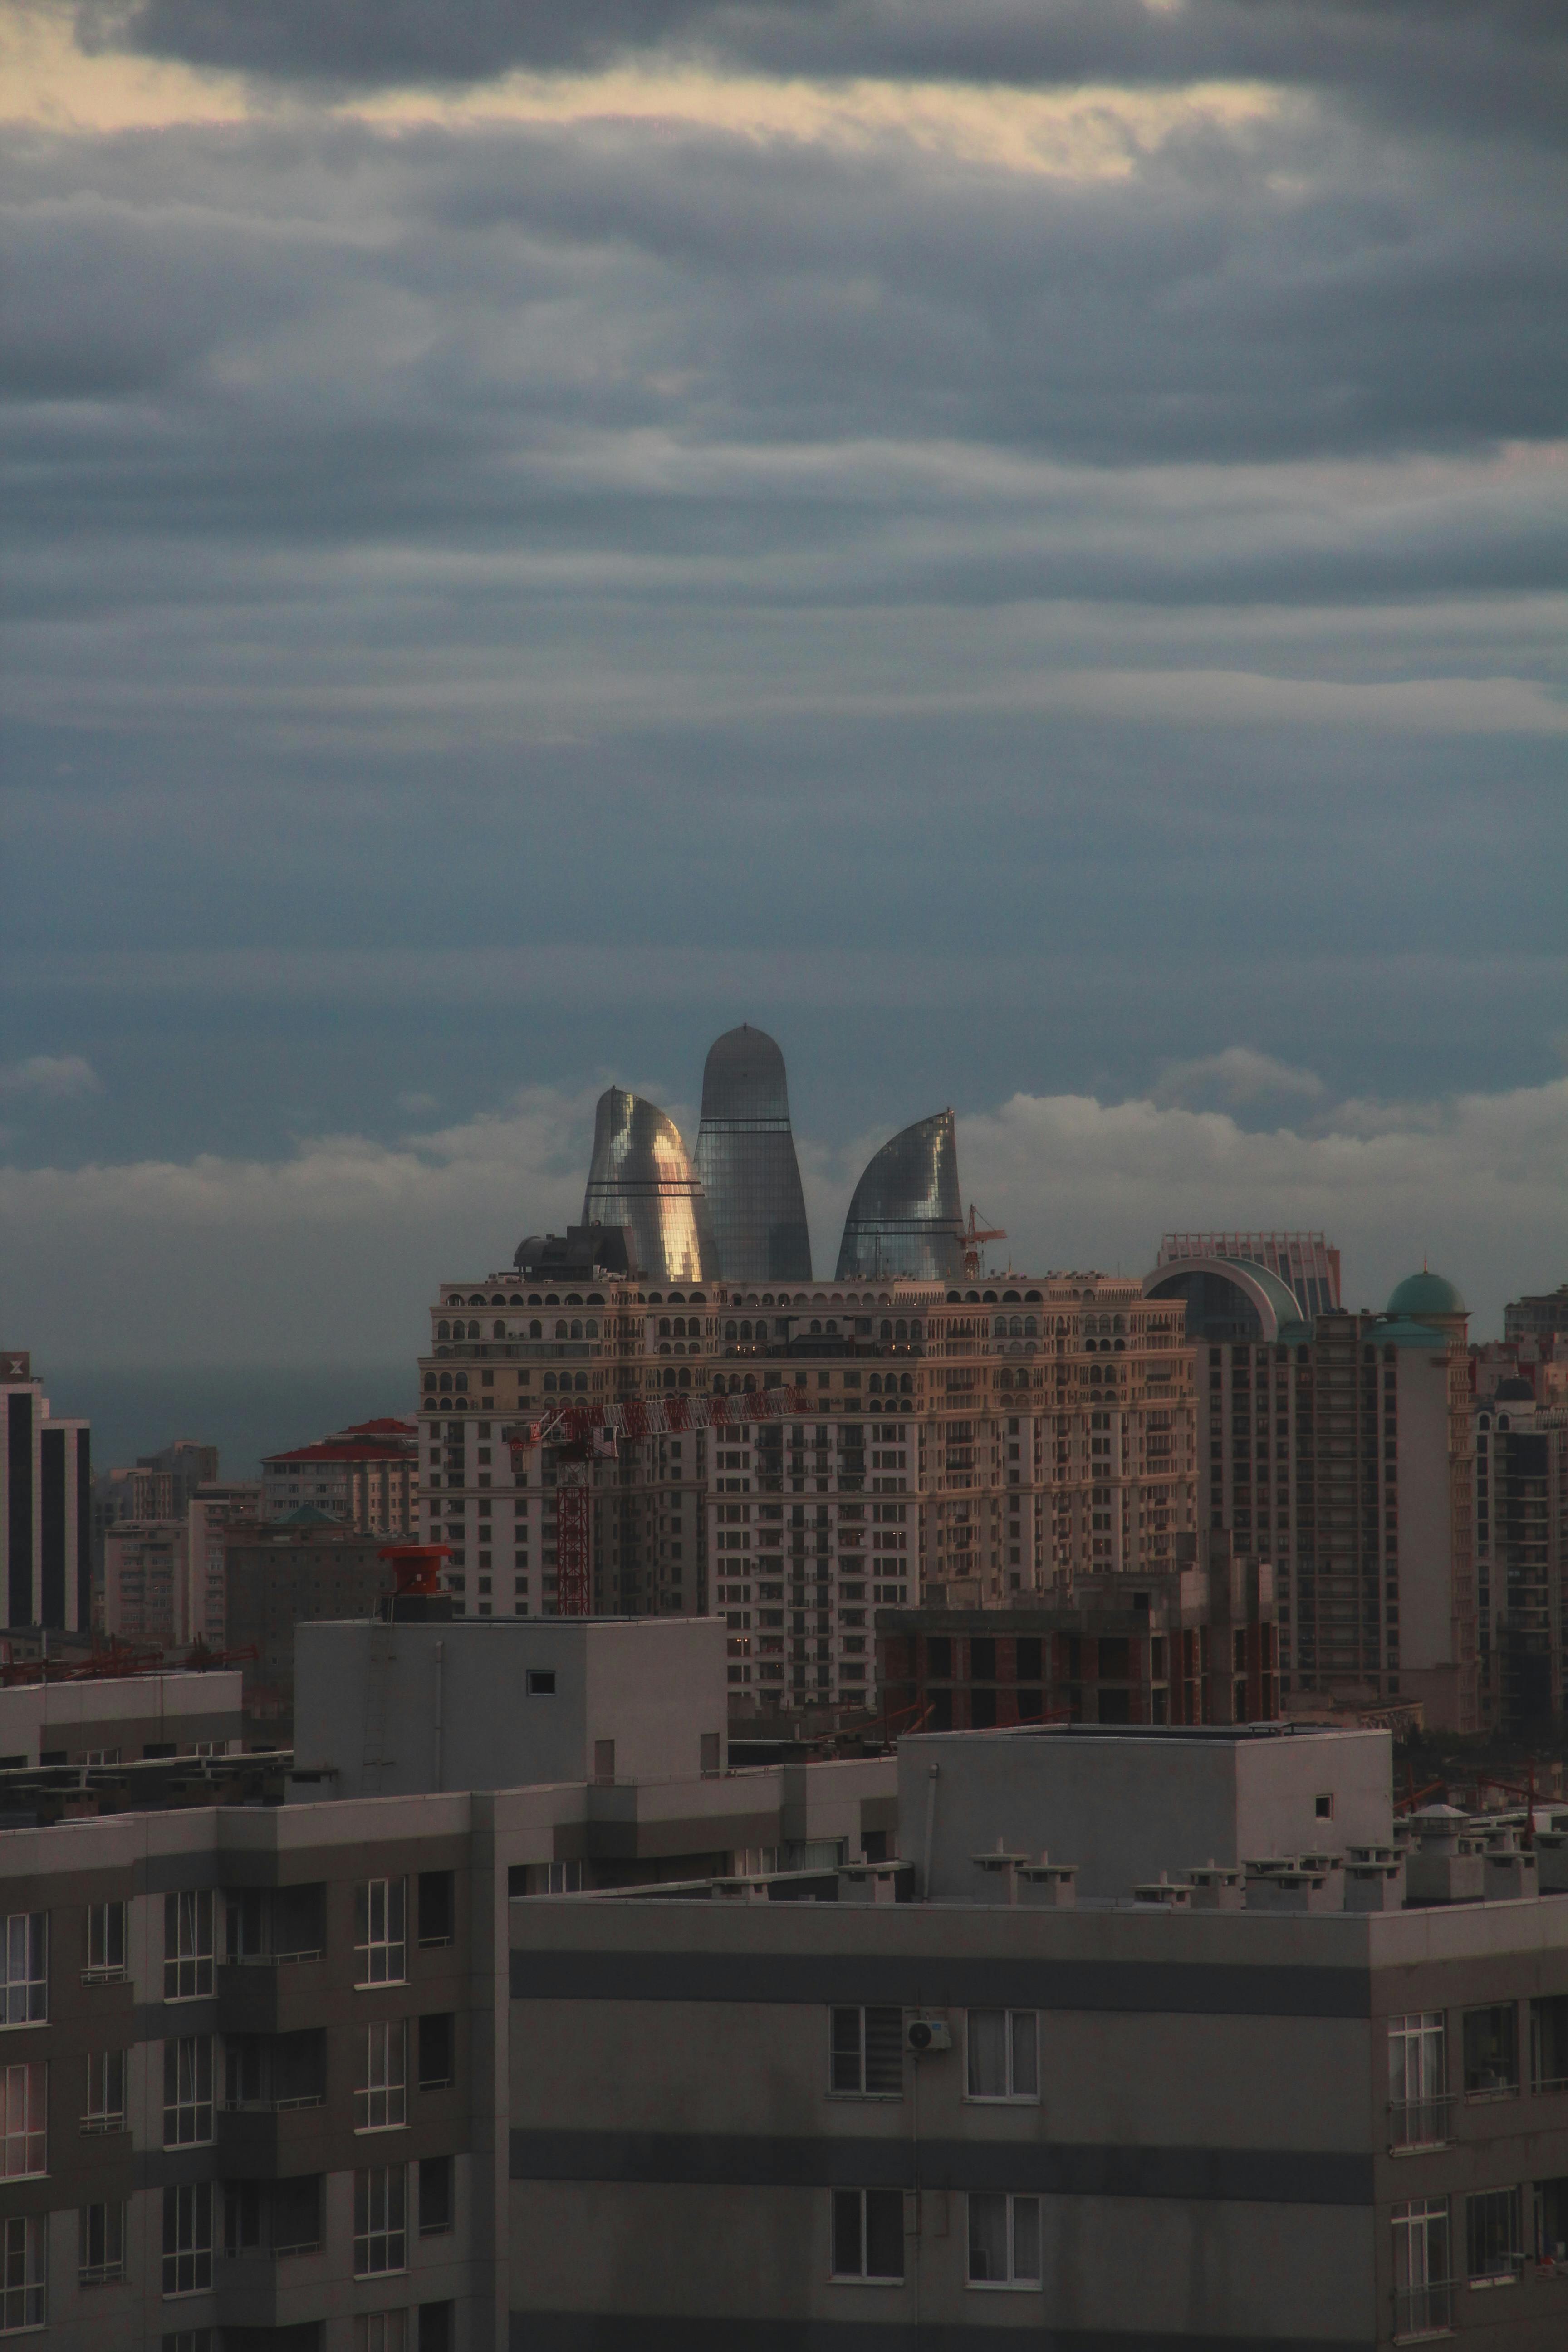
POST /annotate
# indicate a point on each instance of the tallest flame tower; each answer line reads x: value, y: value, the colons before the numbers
x: 745, y: 1158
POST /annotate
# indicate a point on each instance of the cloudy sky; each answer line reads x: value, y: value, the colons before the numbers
x: 1019, y: 544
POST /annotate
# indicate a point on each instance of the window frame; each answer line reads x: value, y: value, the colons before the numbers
x: 1507, y: 2267
x: 1012, y: 2096
x: 1425, y: 2119
x: 105, y: 1943
x: 839, y: 2054
x: 188, y: 2076
x: 189, y: 1944
x: 187, y: 2252
x: 1011, y: 2201
x: 378, y: 1899
x: 377, y: 2189
x: 381, y: 2096
x: 840, y: 2201
x: 25, y: 2120
x: 103, y: 2265
x: 24, y: 2272
x: 1478, y: 2094
x: 106, y: 2065
x: 25, y: 1969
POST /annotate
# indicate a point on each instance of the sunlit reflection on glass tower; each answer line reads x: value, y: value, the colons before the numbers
x: 745, y: 1159
x: 906, y: 1217
x: 640, y: 1176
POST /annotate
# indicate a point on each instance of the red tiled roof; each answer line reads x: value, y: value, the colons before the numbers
x: 352, y: 1449
x: 383, y: 1428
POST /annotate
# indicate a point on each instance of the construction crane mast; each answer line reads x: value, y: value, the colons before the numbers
x: 975, y: 1233
x: 582, y: 1434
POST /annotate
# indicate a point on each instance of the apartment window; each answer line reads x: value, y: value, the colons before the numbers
x: 105, y: 1943
x: 381, y: 2220
x: 437, y: 2206
x: 1419, y: 2104
x: 24, y: 2120
x: 26, y: 1991
x: 1422, y: 2288
x: 1002, y: 2054
x: 22, y: 2279
x: 100, y: 2244
x: 381, y: 2101
x: 381, y: 1932
x: 278, y: 2217
x: 1494, y: 2237
x: 188, y: 2091
x: 1492, y: 2051
x: 188, y: 2239
x: 868, y: 2054
x: 1003, y: 2239
x: 435, y: 2331
x: 1549, y: 2043
x: 1551, y: 2223
x: 868, y: 2234
x: 381, y: 2331
x: 188, y: 1945
x: 105, y: 2109
x: 437, y: 1907
x: 188, y: 2339
x: 437, y: 2037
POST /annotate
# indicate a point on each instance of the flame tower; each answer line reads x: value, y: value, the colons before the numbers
x: 745, y: 1159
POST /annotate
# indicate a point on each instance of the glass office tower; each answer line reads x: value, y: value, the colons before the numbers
x: 641, y: 1177
x: 745, y: 1159
x: 906, y: 1216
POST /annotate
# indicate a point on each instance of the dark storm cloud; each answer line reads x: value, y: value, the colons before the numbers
x: 1499, y: 66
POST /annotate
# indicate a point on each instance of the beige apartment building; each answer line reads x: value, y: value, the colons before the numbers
x: 971, y: 1443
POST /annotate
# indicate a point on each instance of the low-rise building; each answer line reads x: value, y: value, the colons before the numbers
x: 366, y: 1477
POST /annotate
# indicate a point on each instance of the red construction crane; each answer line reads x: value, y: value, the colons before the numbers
x: 975, y: 1233
x: 581, y: 1433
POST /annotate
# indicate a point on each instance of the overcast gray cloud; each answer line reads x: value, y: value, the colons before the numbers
x: 1049, y: 607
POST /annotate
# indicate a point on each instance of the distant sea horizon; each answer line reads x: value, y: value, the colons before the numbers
x: 246, y: 1412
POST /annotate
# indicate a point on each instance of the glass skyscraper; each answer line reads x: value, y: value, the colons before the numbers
x: 640, y: 1176
x: 745, y: 1159
x: 906, y: 1216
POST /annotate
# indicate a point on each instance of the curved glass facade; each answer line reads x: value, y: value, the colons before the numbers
x: 745, y: 1159
x: 906, y: 1217
x: 641, y: 1177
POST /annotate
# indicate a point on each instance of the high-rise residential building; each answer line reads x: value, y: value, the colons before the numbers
x: 1304, y: 1263
x: 1543, y: 1316
x: 1520, y: 1469
x: 367, y: 1477
x: 745, y: 1160
x: 46, y: 1505
x: 1338, y: 1448
x: 146, y: 1582
x: 640, y: 1176
x: 214, y: 1512
x: 906, y: 1217
x: 971, y: 1443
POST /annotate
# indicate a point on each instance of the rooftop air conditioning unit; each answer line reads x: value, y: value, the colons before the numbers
x: 924, y: 2036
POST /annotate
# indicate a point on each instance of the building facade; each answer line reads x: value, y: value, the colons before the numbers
x: 1340, y: 1449
x: 1542, y: 1317
x: 906, y: 1217
x: 1520, y: 1476
x: 640, y: 1176
x: 971, y: 1443
x: 46, y: 1505
x: 145, y: 1581
x: 368, y: 1477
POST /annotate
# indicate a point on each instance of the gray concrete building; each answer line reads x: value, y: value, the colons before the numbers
x: 46, y: 1505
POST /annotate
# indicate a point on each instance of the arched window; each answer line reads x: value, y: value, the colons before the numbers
x: 1030, y: 1327
x: 670, y: 1377
x: 734, y: 1384
x: 680, y: 1327
x: 999, y: 1326
x: 443, y: 1330
x: 430, y: 1380
x: 461, y: 1383
x: 516, y: 1299
x: 576, y: 1327
x: 718, y: 1383
x: 901, y: 1331
x: 915, y: 1330
x: 816, y: 1329
x: 498, y: 1298
x: 592, y: 1327
x: 1120, y: 1324
x: 746, y: 1330
x: 832, y: 1325
x: 550, y: 1379
x: 559, y: 1330
x: 582, y: 1381
x: 536, y: 1330
x: 907, y: 1385
x: 664, y: 1326
x: 876, y: 1383
x: 477, y: 1299
x: 887, y: 1329
x: 447, y: 1381
x: 685, y: 1378
x: 731, y: 1331
x: 498, y: 1330
x: 1016, y: 1326
x: 664, y: 1346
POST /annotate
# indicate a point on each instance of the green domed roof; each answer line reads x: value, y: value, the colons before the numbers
x: 1425, y: 1294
